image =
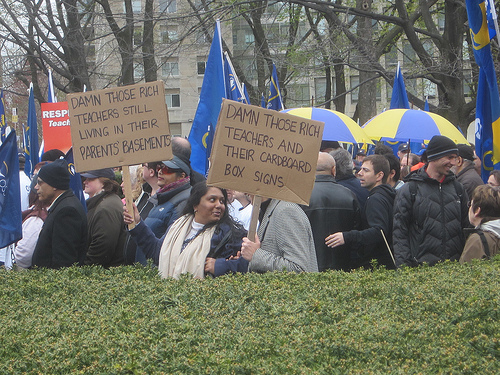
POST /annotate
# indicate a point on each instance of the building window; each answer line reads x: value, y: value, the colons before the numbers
x: 170, y: 68
x: 249, y: 38
x: 137, y: 36
x: 169, y: 34
x: 201, y: 67
x: 173, y: 99
x: 201, y: 37
x: 298, y: 95
x: 391, y: 57
x: 138, y: 71
x: 168, y: 6
x: 136, y: 6
x: 355, y: 92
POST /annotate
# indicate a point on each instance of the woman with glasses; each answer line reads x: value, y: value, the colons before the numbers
x: 206, y: 230
x: 484, y: 214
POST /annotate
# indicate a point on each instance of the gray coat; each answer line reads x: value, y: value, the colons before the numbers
x: 286, y: 240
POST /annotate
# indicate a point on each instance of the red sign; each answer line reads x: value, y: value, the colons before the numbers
x: 56, y: 127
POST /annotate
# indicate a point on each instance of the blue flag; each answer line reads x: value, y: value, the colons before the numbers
x: 75, y: 182
x: 488, y: 100
x: 399, y: 97
x: 10, y: 192
x: 234, y: 91
x: 491, y: 16
x: 263, y: 101
x: 213, y: 90
x: 3, y: 122
x: 274, y: 101
x: 31, y: 147
x: 426, y: 105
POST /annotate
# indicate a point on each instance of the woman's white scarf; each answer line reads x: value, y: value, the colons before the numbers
x: 172, y: 262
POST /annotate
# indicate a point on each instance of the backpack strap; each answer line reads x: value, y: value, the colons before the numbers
x: 486, y: 247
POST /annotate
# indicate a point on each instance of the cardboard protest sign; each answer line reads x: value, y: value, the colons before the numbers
x: 56, y: 126
x: 265, y: 152
x: 121, y: 126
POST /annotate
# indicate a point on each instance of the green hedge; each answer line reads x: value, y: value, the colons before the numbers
x: 443, y: 319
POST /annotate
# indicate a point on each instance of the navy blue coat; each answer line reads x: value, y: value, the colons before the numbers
x: 63, y: 239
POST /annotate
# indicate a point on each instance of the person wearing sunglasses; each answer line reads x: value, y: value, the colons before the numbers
x: 173, y: 191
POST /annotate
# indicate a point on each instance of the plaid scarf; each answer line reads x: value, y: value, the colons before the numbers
x: 174, y: 185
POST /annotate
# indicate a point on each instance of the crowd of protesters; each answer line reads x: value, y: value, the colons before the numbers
x: 377, y: 210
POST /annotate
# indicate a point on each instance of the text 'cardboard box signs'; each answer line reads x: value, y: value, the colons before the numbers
x: 265, y: 152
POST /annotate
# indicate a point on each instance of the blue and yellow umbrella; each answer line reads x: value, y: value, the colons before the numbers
x: 411, y: 124
x: 338, y: 127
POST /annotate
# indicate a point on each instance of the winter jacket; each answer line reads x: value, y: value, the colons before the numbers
x: 332, y: 208
x: 352, y: 183
x: 428, y: 223
x: 151, y: 245
x: 474, y: 248
x: 166, y: 209
x: 470, y: 179
x: 368, y: 243
x: 107, y: 233
x: 63, y: 239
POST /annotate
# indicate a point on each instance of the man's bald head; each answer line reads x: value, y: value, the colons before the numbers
x: 326, y: 164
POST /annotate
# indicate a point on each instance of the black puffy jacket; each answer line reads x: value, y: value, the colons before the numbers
x: 428, y: 220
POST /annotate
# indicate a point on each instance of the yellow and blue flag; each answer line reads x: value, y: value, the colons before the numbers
x: 274, y: 100
x: 235, y: 90
x: 213, y: 90
x: 10, y: 192
x: 488, y: 100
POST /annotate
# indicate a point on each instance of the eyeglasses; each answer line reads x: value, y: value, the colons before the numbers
x: 166, y: 170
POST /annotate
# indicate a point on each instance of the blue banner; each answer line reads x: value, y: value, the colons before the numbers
x: 274, y: 100
x: 399, y: 97
x: 488, y: 100
x: 213, y: 91
x: 10, y: 192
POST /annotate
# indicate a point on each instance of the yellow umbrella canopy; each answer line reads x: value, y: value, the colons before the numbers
x: 411, y: 124
x: 338, y: 127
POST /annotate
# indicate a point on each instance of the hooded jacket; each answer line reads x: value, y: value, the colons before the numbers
x: 474, y: 248
x: 428, y: 224
x: 368, y: 243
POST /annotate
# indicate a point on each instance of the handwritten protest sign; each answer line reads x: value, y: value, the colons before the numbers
x: 56, y: 126
x: 120, y: 126
x: 265, y: 152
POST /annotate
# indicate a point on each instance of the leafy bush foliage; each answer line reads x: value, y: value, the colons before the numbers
x: 126, y: 320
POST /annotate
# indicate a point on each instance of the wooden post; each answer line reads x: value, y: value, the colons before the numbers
x: 257, y: 199
x: 127, y: 185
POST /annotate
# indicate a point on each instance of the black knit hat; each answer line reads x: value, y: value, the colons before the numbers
x: 466, y: 151
x: 440, y: 146
x: 56, y: 174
